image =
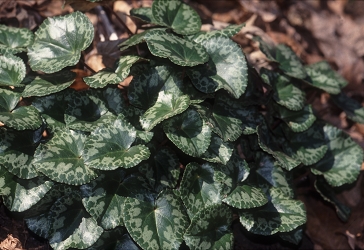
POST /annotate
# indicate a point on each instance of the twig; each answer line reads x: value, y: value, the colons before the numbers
x: 121, y: 22
x: 87, y: 67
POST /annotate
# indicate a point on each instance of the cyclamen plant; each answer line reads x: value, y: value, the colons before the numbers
x: 171, y: 158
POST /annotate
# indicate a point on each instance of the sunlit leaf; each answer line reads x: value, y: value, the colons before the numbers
x: 14, y: 40
x: 12, y: 70
x: 289, y: 62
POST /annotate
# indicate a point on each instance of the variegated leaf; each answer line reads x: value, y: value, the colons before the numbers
x: 49, y: 84
x: 109, y: 147
x: 156, y: 224
x: 267, y: 47
x: 216, y: 234
x: 229, y: 31
x: 19, y: 194
x: 294, y: 236
x: 67, y: 224
x: 138, y: 38
x: 102, y: 79
x: 342, y: 162
x: 177, y: 15
x: 166, y: 106
x: 14, y: 40
x: 198, y: 189
x: 105, y: 202
x: 59, y: 41
x: 322, y: 76
x: 227, y: 68
x: 61, y: 158
x: 353, y: 109
x: 115, y: 239
x: 20, y: 118
x: 12, y: 70
x: 218, y: 150
x: 245, y: 196
x: 298, y: 121
x: 188, y: 132
x: 16, y: 152
x: 124, y: 65
x: 144, y: 13
x: 178, y: 50
x: 289, y: 63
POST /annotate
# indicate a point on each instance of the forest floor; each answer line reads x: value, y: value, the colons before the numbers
x: 315, y: 30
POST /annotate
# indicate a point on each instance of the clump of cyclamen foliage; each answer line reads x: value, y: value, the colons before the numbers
x: 197, y: 136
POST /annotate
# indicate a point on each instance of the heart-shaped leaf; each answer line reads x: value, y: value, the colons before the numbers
x: 49, y: 84
x: 166, y: 106
x: 124, y: 65
x: 67, y: 224
x: 294, y: 236
x: 115, y: 239
x: 188, y: 132
x: 102, y: 79
x: 298, y: 121
x: 138, y: 38
x: 59, y: 41
x: 180, y: 51
x: 21, y: 118
x: 229, y: 31
x: 227, y: 68
x: 61, y: 158
x: 198, y: 189
x: 109, y: 147
x: 322, y: 76
x: 14, y: 40
x: 162, y: 170
x: 156, y: 224
x: 16, y: 152
x: 19, y: 194
x: 353, y: 109
x: 245, y: 196
x: 342, y: 162
x: 12, y: 70
x: 105, y: 202
x: 289, y: 63
x: 308, y: 147
x: 267, y: 47
x: 213, y: 235
x: 144, y: 13
x: 177, y: 15
x: 218, y: 150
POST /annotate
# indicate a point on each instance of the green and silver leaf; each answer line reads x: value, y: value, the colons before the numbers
x: 289, y: 62
x: 353, y: 109
x: 218, y: 150
x: 178, y: 16
x: 109, y: 147
x: 166, y: 106
x: 198, y: 189
x: 322, y: 76
x: 19, y: 118
x: 298, y: 121
x: 59, y: 41
x: 115, y: 239
x: 102, y: 79
x: 246, y: 196
x: 227, y: 68
x: 12, y: 70
x: 124, y: 65
x: 156, y: 224
x: 188, y: 132
x: 14, y: 40
x: 48, y: 84
x: 216, y: 234
x: 143, y: 13
x: 61, y: 158
x: 229, y: 31
x: 342, y: 162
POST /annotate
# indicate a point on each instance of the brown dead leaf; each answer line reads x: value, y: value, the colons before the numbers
x: 79, y: 84
x: 10, y: 243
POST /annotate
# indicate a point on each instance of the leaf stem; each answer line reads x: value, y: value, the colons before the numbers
x: 87, y: 67
x: 130, y: 33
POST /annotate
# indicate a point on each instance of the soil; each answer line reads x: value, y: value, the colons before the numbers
x: 315, y: 30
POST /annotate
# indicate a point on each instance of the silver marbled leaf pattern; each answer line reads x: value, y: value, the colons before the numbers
x: 227, y: 68
x: 16, y: 152
x: 216, y: 234
x: 49, y: 84
x: 138, y: 38
x: 117, y: 238
x: 322, y: 76
x: 109, y: 147
x: 342, y: 162
x: 59, y: 41
x: 188, y: 132
x: 14, y: 40
x: 124, y: 65
x: 245, y: 196
x: 218, y: 150
x: 353, y: 109
x: 228, y: 31
x: 298, y: 121
x: 178, y: 50
x: 18, y: 194
x: 12, y: 70
x: 61, y: 158
x: 102, y: 79
x: 198, y: 189
x: 156, y: 224
x: 166, y: 106
x: 143, y: 13
x: 289, y: 62
x: 177, y: 15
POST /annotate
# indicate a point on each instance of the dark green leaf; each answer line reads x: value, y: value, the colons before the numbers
x: 289, y: 63
x: 61, y: 159
x: 353, y: 109
x: 298, y: 121
x: 12, y: 70
x: 59, y: 41
x: 156, y: 224
x: 188, y: 132
x: 177, y: 15
x: 216, y: 234
x: 218, y: 150
x: 49, y: 84
x: 102, y: 79
x: 14, y: 40
x: 115, y: 239
x: 245, y: 196
x: 227, y: 68
x: 143, y: 13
